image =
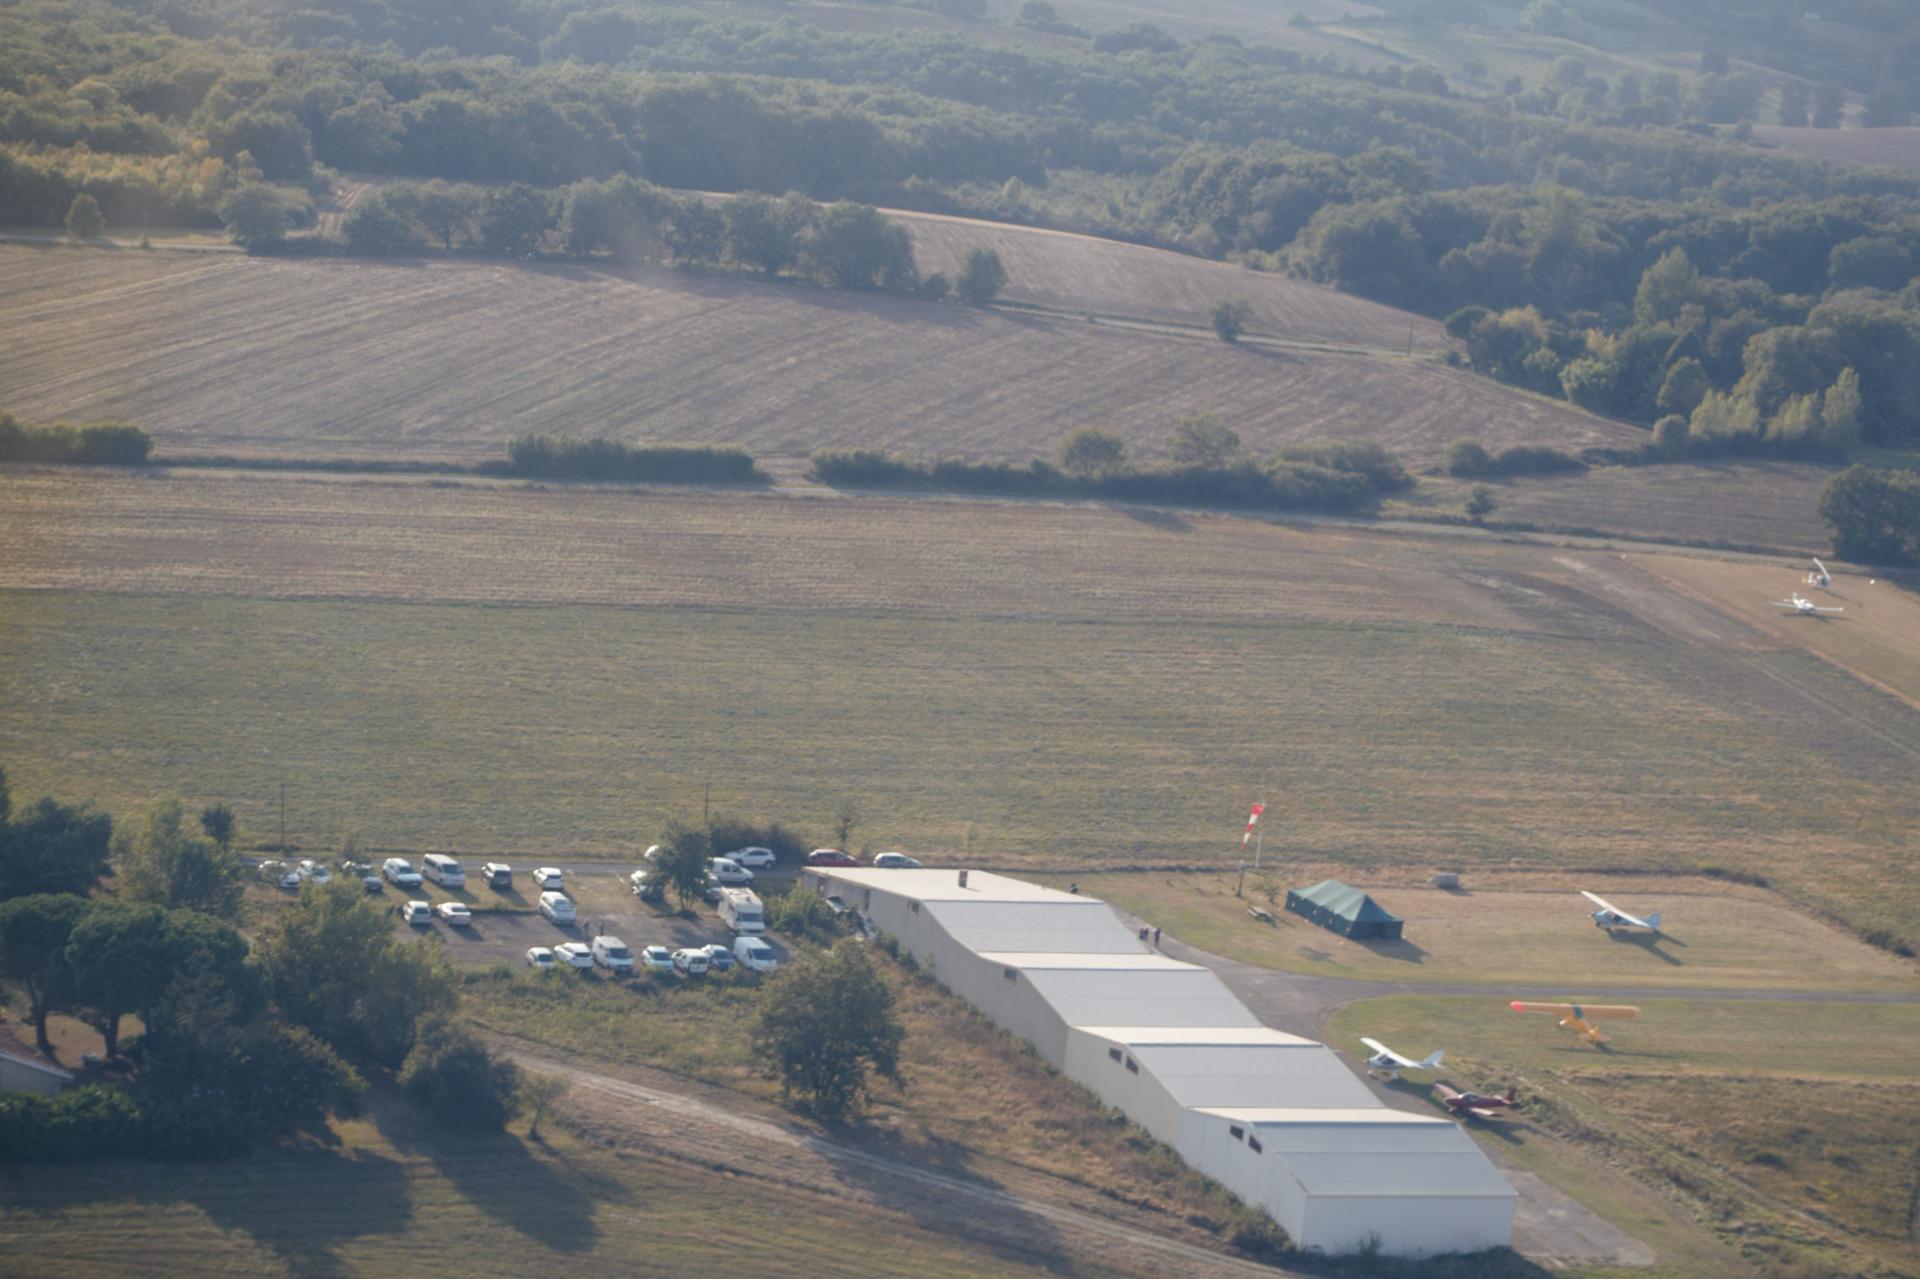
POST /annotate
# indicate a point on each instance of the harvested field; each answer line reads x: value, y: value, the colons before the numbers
x: 451, y: 359
x: 1002, y: 690
x: 1897, y: 148
x: 1082, y: 273
x: 1525, y: 928
x: 1731, y: 503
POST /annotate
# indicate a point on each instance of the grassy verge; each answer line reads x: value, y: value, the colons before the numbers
x: 1786, y: 1129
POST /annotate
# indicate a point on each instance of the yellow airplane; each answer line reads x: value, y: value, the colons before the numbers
x: 1579, y: 1018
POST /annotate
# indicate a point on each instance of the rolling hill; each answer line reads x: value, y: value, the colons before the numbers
x: 228, y: 354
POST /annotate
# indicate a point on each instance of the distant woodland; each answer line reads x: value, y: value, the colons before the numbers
x: 1614, y: 242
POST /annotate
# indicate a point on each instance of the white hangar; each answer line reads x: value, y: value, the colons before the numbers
x: 1279, y: 1120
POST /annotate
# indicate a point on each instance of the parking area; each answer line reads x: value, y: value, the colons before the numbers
x: 603, y: 903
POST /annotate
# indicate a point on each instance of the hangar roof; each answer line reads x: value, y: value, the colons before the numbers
x: 1373, y: 1152
x: 1113, y: 962
x: 1139, y: 997
x: 1209, y: 1036
x: 1078, y: 925
x: 1249, y: 1077
x: 944, y: 885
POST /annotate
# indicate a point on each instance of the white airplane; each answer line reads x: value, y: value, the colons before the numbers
x: 1611, y: 917
x: 1804, y: 608
x: 1819, y: 579
x: 1384, y: 1058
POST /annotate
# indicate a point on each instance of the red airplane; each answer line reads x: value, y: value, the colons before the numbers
x: 1478, y: 1105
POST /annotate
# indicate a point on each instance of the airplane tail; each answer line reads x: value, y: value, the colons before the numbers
x: 1434, y: 1061
x: 1654, y: 921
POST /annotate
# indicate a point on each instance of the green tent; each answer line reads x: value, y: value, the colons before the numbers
x: 1347, y: 911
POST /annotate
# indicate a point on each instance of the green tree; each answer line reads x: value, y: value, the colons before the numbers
x: 847, y: 817
x: 1796, y: 99
x: 696, y: 231
x: 161, y: 862
x: 1840, y: 413
x: 1202, y: 439
x: 512, y: 220
x: 34, y: 932
x: 1670, y: 436
x: 1667, y: 289
x: 857, y: 246
x: 1468, y: 457
x: 588, y: 218
x: 126, y: 957
x: 217, y: 821
x: 538, y: 1093
x: 1886, y: 108
x: 447, y: 212
x: 84, y: 221
x: 254, y: 216
x: 453, y: 1077
x: 764, y: 233
x: 325, y: 955
x: 376, y: 229
x: 1874, y: 515
x: 53, y: 848
x: 682, y: 861
x: 981, y: 278
x: 416, y: 981
x: 1829, y: 104
x: 1480, y: 503
x: 1090, y: 452
x: 829, y: 1023
x: 1724, y: 416
x: 1683, y: 388
x: 1230, y: 318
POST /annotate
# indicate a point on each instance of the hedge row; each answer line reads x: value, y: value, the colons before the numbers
x: 1336, y: 483
x: 1469, y: 458
x: 97, y: 1120
x: 559, y: 457
x: 108, y: 444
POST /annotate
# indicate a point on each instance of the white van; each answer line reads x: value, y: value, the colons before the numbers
x: 557, y: 907
x: 741, y: 911
x: 612, y: 954
x: 755, y: 955
x: 443, y: 870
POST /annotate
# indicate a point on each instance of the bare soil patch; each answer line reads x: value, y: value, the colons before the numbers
x: 1898, y: 148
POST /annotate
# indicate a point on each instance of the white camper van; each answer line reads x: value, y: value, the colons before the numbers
x: 443, y: 870
x: 741, y: 911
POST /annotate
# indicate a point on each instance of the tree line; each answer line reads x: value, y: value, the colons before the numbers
x: 236, y: 1039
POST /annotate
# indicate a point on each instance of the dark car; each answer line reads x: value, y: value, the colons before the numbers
x: 830, y: 857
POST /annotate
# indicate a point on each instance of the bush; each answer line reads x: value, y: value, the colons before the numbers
x: 1670, y: 436
x: 453, y: 1077
x: 1381, y: 468
x: 98, y: 1120
x: 559, y: 457
x: 800, y: 912
x: 1231, y: 318
x: 1467, y: 457
x: 1874, y: 515
x: 1533, y: 459
x: 105, y: 444
x: 866, y: 468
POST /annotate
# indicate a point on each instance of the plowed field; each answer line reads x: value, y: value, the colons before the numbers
x: 1899, y: 148
x: 450, y: 359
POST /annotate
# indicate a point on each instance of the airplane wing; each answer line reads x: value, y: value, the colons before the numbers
x: 1592, y: 1012
x: 1622, y: 915
x: 1388, y: 1053
x: 1785, y: 604
x: 1829, y: 610
x: 1822, y: 567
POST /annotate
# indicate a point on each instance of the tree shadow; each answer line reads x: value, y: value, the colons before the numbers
x: 1165, y: 521
x: 990, y: 1216
x: 1399, y: 949
x: 549, y: 1200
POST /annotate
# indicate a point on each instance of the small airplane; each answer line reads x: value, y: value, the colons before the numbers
x: 1579, y: 1018
x: 1384, y: 1058
x: 1478, y: 1105
x: 1611, y: 917
x: 1804, y: 607
x: 1819, y: 579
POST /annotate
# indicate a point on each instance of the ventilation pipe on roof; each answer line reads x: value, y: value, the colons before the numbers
x: 963, y: 879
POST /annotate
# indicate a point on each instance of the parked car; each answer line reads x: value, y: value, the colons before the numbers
x: 657, y: 958
x: 830, y: 857
x: 730, y: 873
x: 455, y: 913
x: 417, y: 912
x: 719, y: 958
x: 557, y: 907
x: 742, y: 911
x: 498, y: 875
x: 548, y: 877
x: 752, y: 858
x: 710, y: 893
x: 313, y: 870
x: 755, y: 955
x: 895, y: 861
x: 369, y: 877
x: 280, y: 874
x: 692, y: 961
x: 652, y: 853
x: 612, y: 954
x: 540, y: 957
x: 443, y: 870
x: 575, y: 954
x: 647, y: 887
x: 400, y: 872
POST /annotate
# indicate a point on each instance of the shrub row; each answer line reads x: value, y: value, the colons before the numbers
x: 107, y: 444
x: 1336, y: 484
x: 559, y: 457
x: 97, y: 1120
x: 1470, y: 458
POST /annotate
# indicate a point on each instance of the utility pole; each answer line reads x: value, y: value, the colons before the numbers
x: 706, y: 802
x: 283, y: 819
x: 1258, y: 835
x: 1243, y: 877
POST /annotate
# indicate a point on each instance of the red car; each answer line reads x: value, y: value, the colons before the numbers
x: 830, y: 857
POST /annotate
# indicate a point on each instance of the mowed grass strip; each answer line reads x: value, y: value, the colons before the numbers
x: 1055, y: 743
x: 1718, y: 935
x: 388, y: 1195
x: 310, y: 358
